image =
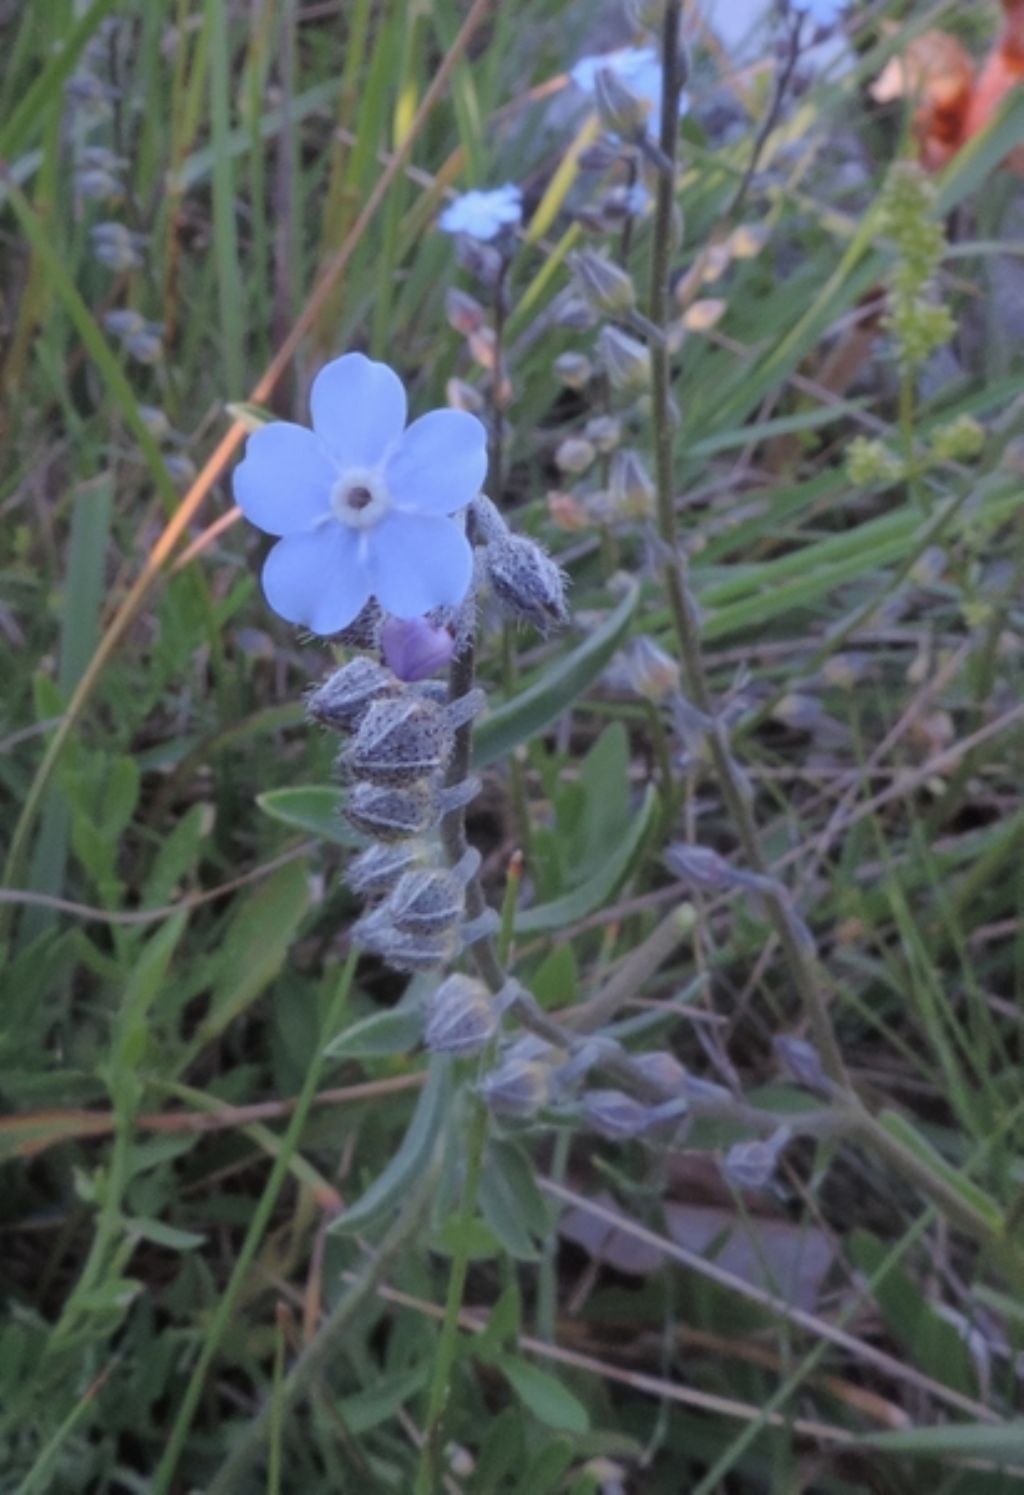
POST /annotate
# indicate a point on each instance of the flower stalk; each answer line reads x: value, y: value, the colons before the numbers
x: 806, y: 971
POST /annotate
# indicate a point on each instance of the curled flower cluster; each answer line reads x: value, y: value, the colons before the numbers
x: 400, y: 742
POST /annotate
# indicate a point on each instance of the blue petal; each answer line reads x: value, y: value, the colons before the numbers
x: 417, y: 563
x: 317, y: 579
x: 358, y: 409
x: 440, y: 463
x: 283, y: 485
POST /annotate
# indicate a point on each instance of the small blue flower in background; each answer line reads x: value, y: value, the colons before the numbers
x: 361, y: 502
x: 639, y: 68
x: 824, y: 12
x: 482, y: 215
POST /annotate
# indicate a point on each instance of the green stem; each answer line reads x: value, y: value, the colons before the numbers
x: 254, y: 1235
x: 807, y: 973
x: 428, y: 1476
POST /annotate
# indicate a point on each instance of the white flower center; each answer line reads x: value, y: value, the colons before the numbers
x: 360, y: 498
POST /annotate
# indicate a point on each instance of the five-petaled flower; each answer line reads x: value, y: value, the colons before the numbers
x: 362, y: 505
x: 483, y: 215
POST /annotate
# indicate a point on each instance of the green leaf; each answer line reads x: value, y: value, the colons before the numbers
x: 899, y: 1127
x: 549, y: 1401
x: 543, y: 702
x: 511, y: 1202
x: 315, y: 808
x: 164, y: 1235
x: 256, y: 944
x: 406, y: 1167
x: 393, y: 1032
x: 544, y: 1471
x: 368, y: 1409
x: 1002, y: 1443
x: 596, y: 891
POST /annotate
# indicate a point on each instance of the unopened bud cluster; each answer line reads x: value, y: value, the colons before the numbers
x: 401, y: 739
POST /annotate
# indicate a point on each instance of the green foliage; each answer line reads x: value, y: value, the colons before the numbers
x: 221, y: 1170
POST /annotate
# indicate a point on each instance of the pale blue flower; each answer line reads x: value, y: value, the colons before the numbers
x: 482, y: 215
x: 822, y: 12
x: 361, y: 502
x: 639, y: 68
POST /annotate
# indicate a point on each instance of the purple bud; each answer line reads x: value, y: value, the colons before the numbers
x: 802, y: 1061
x: 751, y: 1165
x: 518, y: 1087
x: 415, y: 648
x: 461, y: 1017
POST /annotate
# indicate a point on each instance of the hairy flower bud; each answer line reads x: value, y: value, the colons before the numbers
x: 802, y: 1062
x: 662, y: 1069
x: 429, y: 900
x: 620, y: 110
x: 630, y: 485
x: 752, y: 1165
x: 604, y: 432
x: 574, y: 314
x: 650, y: 671
x: 482, y: 261
x: 573, y: 369
x: 461, y: 1017
x: 519, y: 1087
x: 527, y: 582
x: 377, y: 870
x: 626, y: 361
x: 575, y: 454
x: 415, y: 648
x: 343, y: 699
x: 403, y: 951
x: 464, y: 312
x: 155, y: 421
x: 608, y: 288
x: 116, y: 246
x: 401, y: 739
x: 393, y: 814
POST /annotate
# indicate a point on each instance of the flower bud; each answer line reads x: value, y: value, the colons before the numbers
x: 752, y: 1165
x: 146, y: 346
x: 428, y: 900
x: 607, y: 288
x: 574, y: 454
x: 415, y: 648
x: 116, y: 246
x: 573, y: 369
x: 461, y: 1017
x: 519, y: 1087
x: 180, y: 468
x: 626, y: 361
x: 122, y: 322
x: 650, y: 671
x: 377, y: 870
x: 463, y: 396
x: 464, y: 312
x: 401, y: 739
x: 343, y: 700
x: 802, y: 1062
x: 662, y: 1069
x: 98, y: 185
x: 482, y: 261
x: 604, y: 432
x: 393, y: 814
x: 575, y: 315
x: 527, y: 582
x: 630, y: 485
x: 155, y: 421
x: 375, y: 934
x: 703, y: 869
x: 620, y: 110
